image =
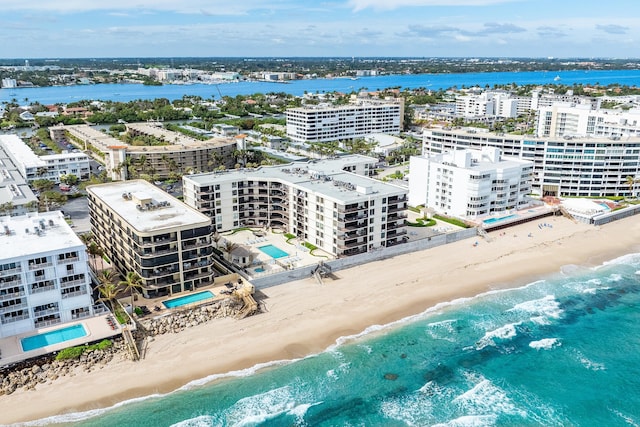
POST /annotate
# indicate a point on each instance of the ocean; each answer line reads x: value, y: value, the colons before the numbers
x: 561, y: 351
x: 129, y: 92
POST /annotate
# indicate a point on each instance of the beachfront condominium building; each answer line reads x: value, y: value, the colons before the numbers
x: 44, y: 278
x: 16, y: 197
x: 470, y: 183
x: 143, y: 229
x: 177, y: 153
x: 341, y: 212
x: 582, y: 120
x: 583, y: 167
x: 51, y: 167
x: 324, y: 122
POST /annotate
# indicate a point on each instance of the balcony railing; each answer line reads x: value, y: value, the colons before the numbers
x: 17, y: 269
x: 45, y: 312
x: 39, y: 266
x: 8, y: 284
x: 12, y: 319
x: 68, y: 260
x: 41, y: 289
x: 14, y: 295
x: 156, y: 253
x: 44, y: 323
x: 73, y: 283
x: 74, y: 294
x: 13, y: 307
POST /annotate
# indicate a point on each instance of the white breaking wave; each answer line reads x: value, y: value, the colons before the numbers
x: 443, y: 330
x: 201, y: 421
x: 628, y: 259
x: 627, y: 419
x: 614, y: 278
x: 547, y: 306
x: 545, y: 344
x: 505, y: 332
x: 257, y: 409
x: 589, y: 364
x: 485, y: 398
x: 80, y: 416
x: 470, y: 421
x: 413, y: 409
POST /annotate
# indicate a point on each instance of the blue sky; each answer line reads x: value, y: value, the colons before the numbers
x: 249, y: 28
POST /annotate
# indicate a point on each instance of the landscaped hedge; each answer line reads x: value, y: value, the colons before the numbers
x: 76, y: 352
x: 421, y: 222
x: 452, y: 221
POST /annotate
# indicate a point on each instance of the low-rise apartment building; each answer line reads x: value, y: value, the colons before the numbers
x: 470, y: 183
x: 44, y: 277
x: 143, y: 229
x: 181, y: 154
x: 51, y: 166
x: 341, y: 212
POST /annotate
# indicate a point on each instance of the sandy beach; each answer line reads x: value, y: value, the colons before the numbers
x: 304, y: 317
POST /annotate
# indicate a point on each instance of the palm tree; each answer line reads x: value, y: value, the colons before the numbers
x: 631, y: 182
x: 107, y: 288
x: 216, y: 238
x: 228, y: 246
x: 131, y: 282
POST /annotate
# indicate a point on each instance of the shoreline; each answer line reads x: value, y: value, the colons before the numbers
x: 304, y: 318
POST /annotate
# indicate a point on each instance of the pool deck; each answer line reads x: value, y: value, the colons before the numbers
x: 158, y: 309
x: 299, y: 256
x: 98, y: 328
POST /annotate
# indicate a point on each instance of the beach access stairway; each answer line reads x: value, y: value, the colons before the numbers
x: 250, y: 305
x: 321, y: 270
x: 566, y: 213
x: 130, y: 343
x: 483, y: 233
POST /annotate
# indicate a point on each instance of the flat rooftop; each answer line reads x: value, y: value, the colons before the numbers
x: 163, y: 211
x: 53, y: 234
x: 20, y: 151
x: 322, y: 176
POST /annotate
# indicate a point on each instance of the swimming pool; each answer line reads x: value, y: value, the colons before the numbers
x: 502, y: 218
x: 57, y: 336
x: 188, y: 299
x: 259, y: 270
x: 273, y: 251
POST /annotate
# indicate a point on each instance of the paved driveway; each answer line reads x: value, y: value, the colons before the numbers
x: 78, y: 210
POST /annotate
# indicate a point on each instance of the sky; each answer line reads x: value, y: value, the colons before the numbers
x: 306, y: 28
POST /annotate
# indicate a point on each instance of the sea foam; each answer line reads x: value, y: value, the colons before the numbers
x: 544, y: 344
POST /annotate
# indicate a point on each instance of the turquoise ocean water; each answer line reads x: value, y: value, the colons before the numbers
x: 564, y: 350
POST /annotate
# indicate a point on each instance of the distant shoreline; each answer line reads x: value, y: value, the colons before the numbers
x: 123, y: 92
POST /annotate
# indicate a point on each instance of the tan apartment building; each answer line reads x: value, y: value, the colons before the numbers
x: 180, y: 154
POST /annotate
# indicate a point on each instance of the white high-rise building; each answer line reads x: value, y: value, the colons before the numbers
x: 469, y: 183
x: 563, y: 166
x: 581, y: 120
x: 320, y: 123
x: 44, y: 277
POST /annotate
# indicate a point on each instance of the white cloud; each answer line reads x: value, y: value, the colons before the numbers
x: 358, y: 5
x: 212, y: 7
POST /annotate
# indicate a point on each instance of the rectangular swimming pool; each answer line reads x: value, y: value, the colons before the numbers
x: 58, y: 336
x: 502, y: 218
x: 273, y: 251
x: 188, y: 299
